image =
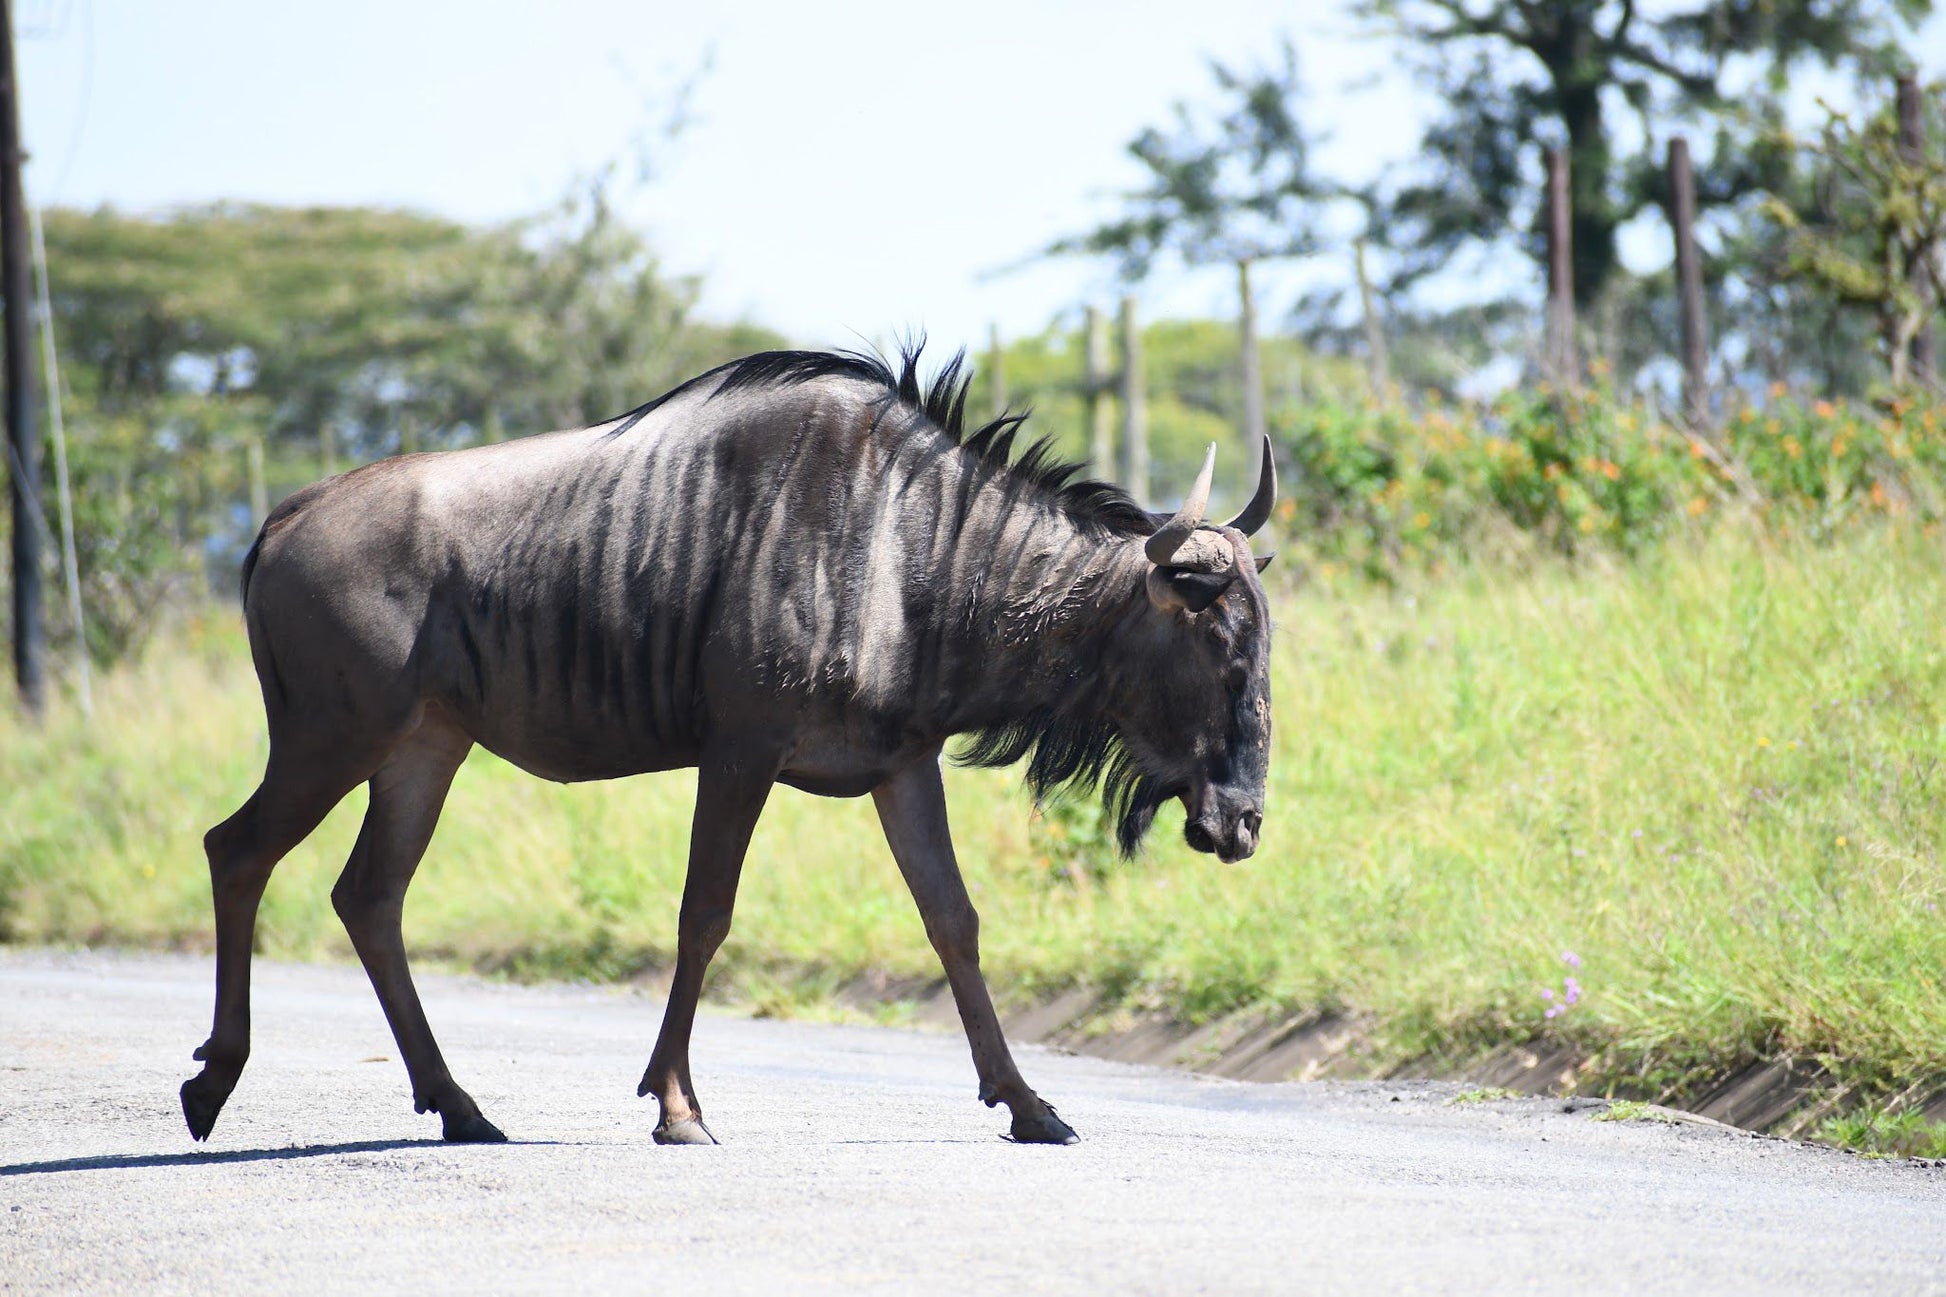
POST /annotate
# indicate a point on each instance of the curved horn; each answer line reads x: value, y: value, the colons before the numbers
x: 1169, y: 537
x: 1257, y: 512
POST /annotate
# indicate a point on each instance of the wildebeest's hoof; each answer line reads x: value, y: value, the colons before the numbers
x: 202, y: 1098
x: 471, y: 1130
x: 688, y: 1130
x: 1042, y: 1128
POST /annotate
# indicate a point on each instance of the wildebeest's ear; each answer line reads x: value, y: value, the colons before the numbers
x: 1263, y: 561
x: 1175, y: 589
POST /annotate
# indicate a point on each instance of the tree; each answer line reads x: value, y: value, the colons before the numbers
x: 1520, y: 74
x: 1873, y: 235
x: 189, y: 336
x: 1229, y: 187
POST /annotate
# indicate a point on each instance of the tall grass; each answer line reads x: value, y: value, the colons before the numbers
x: 1711, y: 775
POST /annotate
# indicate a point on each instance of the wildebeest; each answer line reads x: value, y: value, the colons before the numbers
x: 799, y: 567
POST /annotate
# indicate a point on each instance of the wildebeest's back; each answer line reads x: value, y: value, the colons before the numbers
x: 585, y: 603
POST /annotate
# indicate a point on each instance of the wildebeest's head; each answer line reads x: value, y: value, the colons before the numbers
x: 1195, y: 718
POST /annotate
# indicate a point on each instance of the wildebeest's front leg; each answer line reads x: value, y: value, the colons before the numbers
x: 731, y: 788
x: 912, y: 807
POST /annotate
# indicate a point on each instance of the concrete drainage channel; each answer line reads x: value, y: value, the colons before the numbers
x: 1779, y: 1097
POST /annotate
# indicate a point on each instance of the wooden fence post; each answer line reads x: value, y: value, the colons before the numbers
x: 1252, y: 366
x: 997, y: 371
x: 1375, y: 355
x: 1135, y: 408
x: 253, y: 462
x: 1560, y: 273
x: 1689, y: 287
x: 1912, y: 143
x: 1101, y: 427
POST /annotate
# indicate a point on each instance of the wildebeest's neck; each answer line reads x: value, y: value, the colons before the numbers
x: 1036, y: 601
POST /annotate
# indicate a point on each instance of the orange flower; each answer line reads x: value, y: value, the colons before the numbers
x: 1824, y: 409
x: 1698, y: 506
x: 1878, y: 494
x: 1611, y: 470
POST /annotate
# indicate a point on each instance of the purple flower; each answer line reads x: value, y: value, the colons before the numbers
x: 1547, y: 992
x: 1551, y: 1012
x: 1571, y: 959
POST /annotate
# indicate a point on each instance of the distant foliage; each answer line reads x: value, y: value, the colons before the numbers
x: 1380, y: 486
x: 1871, y: 232
x: 329, y: 336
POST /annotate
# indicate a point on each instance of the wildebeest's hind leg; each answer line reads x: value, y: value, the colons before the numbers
x: 294, y: 796
x: 731, y: 790
x: 912, y: 808
x: 407, y: 794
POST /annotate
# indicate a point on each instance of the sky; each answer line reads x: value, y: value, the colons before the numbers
x: 852, y: 170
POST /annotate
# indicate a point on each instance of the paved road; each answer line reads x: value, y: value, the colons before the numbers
x: 854, y: 1160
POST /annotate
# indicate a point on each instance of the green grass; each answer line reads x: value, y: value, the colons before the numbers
x: 1714, y: 775
x: 1876, y: 1132
x: 1483, y: 1094
x: 1633, y: 1110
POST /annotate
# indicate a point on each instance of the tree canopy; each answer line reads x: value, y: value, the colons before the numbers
x: 1226, y: 186
x: 1520, y: 75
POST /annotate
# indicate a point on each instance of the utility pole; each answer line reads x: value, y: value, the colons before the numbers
x: 1135, y: 408
x: 1689, y: 287
x: 23, y: 441
x: 1101, y: 427
x: 1912, y: 144
x: 1560, y: 273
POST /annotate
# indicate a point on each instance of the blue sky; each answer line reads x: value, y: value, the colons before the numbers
x: 853, y: 169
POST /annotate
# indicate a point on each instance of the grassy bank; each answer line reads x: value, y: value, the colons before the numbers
x: 1705, y: 785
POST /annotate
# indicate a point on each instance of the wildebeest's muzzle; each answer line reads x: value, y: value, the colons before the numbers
x: 1222, y: 823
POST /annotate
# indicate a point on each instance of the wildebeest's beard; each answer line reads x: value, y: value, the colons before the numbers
x: 1077, y: 755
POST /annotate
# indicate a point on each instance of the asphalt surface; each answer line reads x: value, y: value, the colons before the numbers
x: 855, y: 1159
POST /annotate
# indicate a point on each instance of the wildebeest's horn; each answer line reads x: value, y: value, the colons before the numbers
x: 1257, y: 512
x: 1168, y: 538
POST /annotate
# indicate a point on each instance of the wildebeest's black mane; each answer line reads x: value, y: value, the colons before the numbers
x: 942, y: 402
x: 1076, y: 752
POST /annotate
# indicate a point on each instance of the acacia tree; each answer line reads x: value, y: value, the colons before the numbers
x: 1230, y: 186
x: 1520, y: 74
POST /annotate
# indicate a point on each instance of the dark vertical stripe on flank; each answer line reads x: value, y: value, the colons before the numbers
x: 597, y: 630
x: 679, y: 509
x: 567, y: 625
x: 471, y: 648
